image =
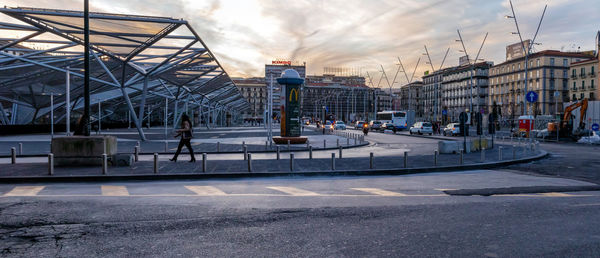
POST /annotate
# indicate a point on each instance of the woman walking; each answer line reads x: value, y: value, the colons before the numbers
x: 186, y: 135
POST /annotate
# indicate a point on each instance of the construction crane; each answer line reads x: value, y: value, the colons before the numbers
x: 566, y: 124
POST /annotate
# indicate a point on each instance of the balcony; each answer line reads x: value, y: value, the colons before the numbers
x: 582, y: 75
x: 573, y: 76
x: 592, y: 73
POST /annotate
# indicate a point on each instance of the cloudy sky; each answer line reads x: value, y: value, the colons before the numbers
x: 246, y: 34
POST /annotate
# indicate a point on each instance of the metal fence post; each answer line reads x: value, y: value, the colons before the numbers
x: 514, y: 149
x: 340, y: 151
x: 462, y: 152
x: 20, y: 149
x: 371, y: 160
x: 435, y: 158
x: 204, y: 162
x: 249, y: 162
x: 277, y: 152
x: 482, y: 155
x: 324, y: 143
x: 136, y: 153
x: 500, y: 153
x: 266, y: 145
x: 166, y: 146
x: 13, y: 155
x: 333, y: 161
x: 347, y: 141
x: 405, y: 159
x: 310, y: 156
x: 155, y: 163
x: 245, y: 152
x: 337, y: 143
x: 291, y: 161
x: 50, y: 164
x: 104, y: 164
x: 218, y: 146
x: 288, y: 145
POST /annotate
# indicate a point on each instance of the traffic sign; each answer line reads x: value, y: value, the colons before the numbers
x: 531, y: 96
x: 595, y: 127
x: 444, y: 112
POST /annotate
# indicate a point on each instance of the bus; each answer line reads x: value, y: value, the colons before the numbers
x: 400, y: 119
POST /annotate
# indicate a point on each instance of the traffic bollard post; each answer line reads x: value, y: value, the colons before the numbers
x: 218, y: 146
x: 371, y: 160
x: 310, y: 156
x: 166, y: 146
x: 347, y: 141
x: 324, y: 143
x: 277, y: 152
x: 20, y: 149
x: 337, y: 143
x: 514, y: 149
x: 288, y: 145
x: 435, y: 158
x: 482, y: 159
x: 245, y: 152
x: 500, y: 153
x: 405, y: 159
x: 13, y: 155
x: 249, y: 162
x: 155, y: 163
x: 340, y: 152
x: 204, y: 162
x: 104, y: 164
x: 333, y: 161
x: 266, y: 145
x: 291, y: 161
x: 462, y: 156
x: 50, y: 164
x: 136, y: 153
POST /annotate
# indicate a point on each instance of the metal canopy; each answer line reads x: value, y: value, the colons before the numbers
x: 137, y: 63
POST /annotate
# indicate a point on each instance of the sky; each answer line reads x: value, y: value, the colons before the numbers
x: 363, y: 35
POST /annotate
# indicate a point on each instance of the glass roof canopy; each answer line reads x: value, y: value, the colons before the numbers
x: 137, y: 64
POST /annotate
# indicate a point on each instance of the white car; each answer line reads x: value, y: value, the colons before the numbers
x: 339, y: 125
x: 421, y: 128
x: 452, y: 129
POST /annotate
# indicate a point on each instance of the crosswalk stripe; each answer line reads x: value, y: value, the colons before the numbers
x: 205, y: 190
x: 25, y: 191
x: 378, y: 191
x: 114, y: 190
x: 293, y: 191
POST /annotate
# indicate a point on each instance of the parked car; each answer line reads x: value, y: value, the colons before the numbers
x: 388, y: 126
x: 452, y: 129
x: 375, y: 125
x: 339, y: 125
x: 421, y: 128
x: 359, y: 125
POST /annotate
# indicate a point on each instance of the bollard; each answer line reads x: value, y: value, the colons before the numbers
x: 333, y: 161
x: 354, y: 140
x: 291, y: 161
x: 218, y: 147
x: 405, y: 159
x: 500, y: 153
x: 337, y: 143
x: 166, y: 146
x: 13, y: 155
x: 309, y: 152
x: 347, y: 141
x: 245, y: 152
x: 482, y: 155
x: 20, y: 149
x: 249, y: 162
x: 50, y: 164
x: 204, y: 162
x: 435, y: 158
x: 277, y: 152
x: 340, y: 152
x: 139, y: 146
x: 104, y: 164
x: 462, y: 156
x: 243, y: 144
x: 324, y: 143
x: 155, y: 163
x: 514, y: 149
x: 136, y: 153
x: 307, y: 144
x: 266, y: 145
x: 288, y: 144
x: 371, y: 160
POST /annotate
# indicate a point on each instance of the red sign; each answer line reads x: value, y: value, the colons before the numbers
x: 282, y: 62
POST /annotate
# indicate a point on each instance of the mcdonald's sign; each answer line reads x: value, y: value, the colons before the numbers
x: 293, y: 91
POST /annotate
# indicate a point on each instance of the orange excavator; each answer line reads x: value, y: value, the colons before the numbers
x: 566, y: 124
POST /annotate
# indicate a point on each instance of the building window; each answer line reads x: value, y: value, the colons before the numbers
x: 582, y: 95
x: 537, y: 62
x: 583, y: 85
x: 552, y: 61
x: 574, y: 73
x: 582, y: 71
x: 574, y: 85
x: 592, y: 96
x: 592, y: 72
x: 574, y: 98
x: 565, y: 62
x: 592, y: 84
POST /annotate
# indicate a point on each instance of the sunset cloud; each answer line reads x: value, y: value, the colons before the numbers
x: 246, y: 34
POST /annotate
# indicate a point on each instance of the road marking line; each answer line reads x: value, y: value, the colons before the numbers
x: 293, y: 191
x: 205, y: 190
x: 444, y: 189
x: 25, y: 191
x: 378, y: 191
x: 114, y: 190
x: 554, y: 194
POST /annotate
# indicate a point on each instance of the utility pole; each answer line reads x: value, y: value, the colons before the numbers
x: 472, y: 71
x: 86, y: 82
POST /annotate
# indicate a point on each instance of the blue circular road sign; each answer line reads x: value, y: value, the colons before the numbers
x: 531, y: 96
x: 444, y: 112
x: 595, y: 127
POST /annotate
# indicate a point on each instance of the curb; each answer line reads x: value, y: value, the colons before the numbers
x: 231, y: 175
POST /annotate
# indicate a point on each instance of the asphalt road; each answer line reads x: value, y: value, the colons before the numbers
x: 316, y: 217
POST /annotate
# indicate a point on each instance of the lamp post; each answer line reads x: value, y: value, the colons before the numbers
x: 86, y: 56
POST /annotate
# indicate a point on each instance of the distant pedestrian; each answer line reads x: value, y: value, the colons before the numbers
x: 186, y: 136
